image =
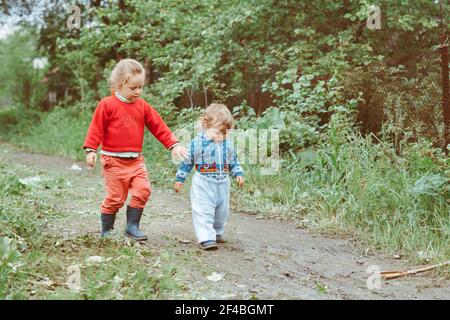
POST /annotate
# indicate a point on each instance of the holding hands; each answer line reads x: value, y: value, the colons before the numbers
x: 179, y: 152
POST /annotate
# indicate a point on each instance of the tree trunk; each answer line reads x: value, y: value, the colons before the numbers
x: 445, y: 91
x: 445, y: 81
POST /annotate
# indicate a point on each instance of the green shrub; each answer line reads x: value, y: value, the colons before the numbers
x: 8, y: 117
x: 62, y: 131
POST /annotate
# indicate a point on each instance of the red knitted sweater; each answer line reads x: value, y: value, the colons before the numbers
x: 119, y: 126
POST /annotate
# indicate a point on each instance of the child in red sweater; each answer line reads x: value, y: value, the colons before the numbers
x: 118, y: 126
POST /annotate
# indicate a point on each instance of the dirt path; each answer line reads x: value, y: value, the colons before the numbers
x: 264, y: 258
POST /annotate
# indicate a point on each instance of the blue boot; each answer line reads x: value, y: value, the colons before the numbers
x: 132, y: 229
x: 107, y: 223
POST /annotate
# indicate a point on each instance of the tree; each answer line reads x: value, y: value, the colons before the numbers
x: 445, y: 82
x: 18, y: 79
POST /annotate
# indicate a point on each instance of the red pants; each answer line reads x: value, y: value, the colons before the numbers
x: 122, y: 175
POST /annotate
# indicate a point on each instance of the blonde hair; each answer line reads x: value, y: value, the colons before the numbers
x: 123, y: 70
x: 216, y: 115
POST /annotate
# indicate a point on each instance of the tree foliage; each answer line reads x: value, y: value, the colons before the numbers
x: 308, y: 59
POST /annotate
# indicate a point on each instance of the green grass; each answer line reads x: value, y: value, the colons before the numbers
x: 398, y: 204
x: 127, y: 271
x: 60, y: 132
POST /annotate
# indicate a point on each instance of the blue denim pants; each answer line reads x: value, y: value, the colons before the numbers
x: 210, y: 201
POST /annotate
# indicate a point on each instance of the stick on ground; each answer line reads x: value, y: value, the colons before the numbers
x: 387, y: 275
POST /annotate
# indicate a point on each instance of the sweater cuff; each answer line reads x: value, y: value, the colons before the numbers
x: 87, y: 150
x: 179, y: 179
x: 172, y: 146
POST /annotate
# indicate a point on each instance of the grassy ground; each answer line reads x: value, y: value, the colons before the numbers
x: 399, y: 204
x: 37, y: 265
x: 55, y: 229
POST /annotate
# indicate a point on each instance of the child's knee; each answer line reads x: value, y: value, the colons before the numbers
x: 112, y: 205
x: 144, y: 193
x: 140, y: 197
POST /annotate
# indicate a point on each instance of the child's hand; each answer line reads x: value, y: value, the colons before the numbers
x: 178, y: 186
x: 179, y: 152
x: 240, y: 181
x: 91, y: 158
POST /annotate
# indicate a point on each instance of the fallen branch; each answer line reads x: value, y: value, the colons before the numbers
x: 387, y: 275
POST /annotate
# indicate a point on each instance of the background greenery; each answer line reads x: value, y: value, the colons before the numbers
x: 361, y: 126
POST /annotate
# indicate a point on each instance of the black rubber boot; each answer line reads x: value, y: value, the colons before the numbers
x: 107, y: 223
x: 132, y: 229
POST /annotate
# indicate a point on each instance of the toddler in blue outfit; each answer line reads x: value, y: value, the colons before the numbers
x: 214, y: 159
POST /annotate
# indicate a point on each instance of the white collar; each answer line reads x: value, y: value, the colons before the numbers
x: 119, y: 96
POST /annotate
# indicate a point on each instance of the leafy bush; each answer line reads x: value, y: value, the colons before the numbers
x: 8, y: 119
x: 61, y: 131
